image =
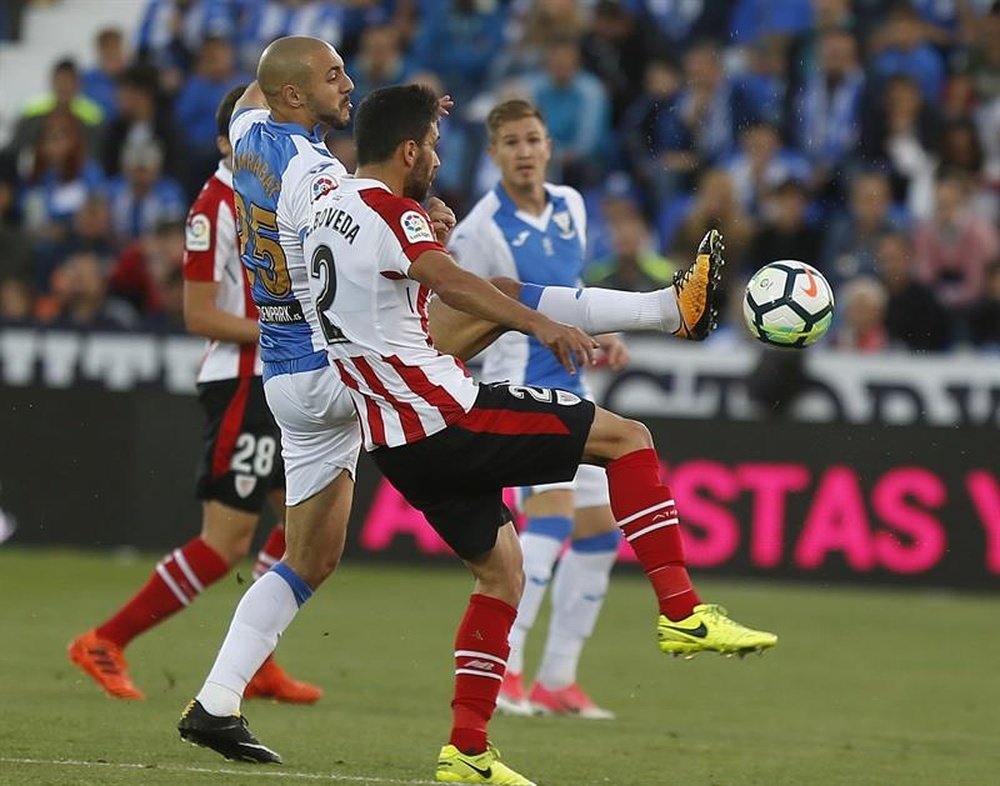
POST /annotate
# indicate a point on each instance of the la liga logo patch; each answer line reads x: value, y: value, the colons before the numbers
x: 198, y: 233
x: 415, y: 227
x: 322, y: 185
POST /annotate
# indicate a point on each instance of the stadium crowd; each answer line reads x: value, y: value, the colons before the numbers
x: 863, y: 137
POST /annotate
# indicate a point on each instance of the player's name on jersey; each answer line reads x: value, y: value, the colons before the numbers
x: 338, y: 220
x: 259, y: 168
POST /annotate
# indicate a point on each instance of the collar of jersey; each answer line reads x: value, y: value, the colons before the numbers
x: 316, y: 135
x: 507, y: 204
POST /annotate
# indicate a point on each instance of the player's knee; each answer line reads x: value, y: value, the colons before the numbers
x: 637, y: 436
x: 508, y: 286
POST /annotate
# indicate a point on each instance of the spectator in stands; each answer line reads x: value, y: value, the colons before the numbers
x: 828, y: 112
x: 752, y: 20
x: 645, y: 136
x: 954, y: 247
x: 904, y: 133
x: 902, y: 47
x: 962, y: 151
x: 142, y: 117
x: 577, y: 113
x: 760, y: 163
x: 17, y: 254
x: 985, y: 320
x: 785, y: 233
x: 633, y: 265
x: 852, y: 239
x: 764, y: 85
x: 80, y: 295
x: 706, y: 118
x: 459, y: 40
x: 17, y: 301
x: 716, y: 206
x: 544, y: 22
x: 616, y: 49
x: 803, y: 49
x: 100, y: 83
x: 913, y: 319
x: 683, y: 22
x: 380, y: 62
x: 171, y: 33
x: 263, y: 21
x: 862, y: 327
x: 59, y: 182
x: 143, y: 268
x: 213, y: 77
x: 142, y: 197
x: 64, y: 96
x: 984, y: 57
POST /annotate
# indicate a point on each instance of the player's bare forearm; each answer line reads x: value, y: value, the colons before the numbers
x: 203, y: 318
x: 253, y: 98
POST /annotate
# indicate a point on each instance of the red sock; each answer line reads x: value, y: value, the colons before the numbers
x: 481, y: 651
x: 272, y: 551
x: 176, y: 581
x: 646, y: 513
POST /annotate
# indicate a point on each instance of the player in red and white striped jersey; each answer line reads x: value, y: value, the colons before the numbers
x: 241, y: 463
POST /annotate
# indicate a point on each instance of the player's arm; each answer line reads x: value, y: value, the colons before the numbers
x: 203, y: 317
x: 252, y: 98
x: 467, y: 292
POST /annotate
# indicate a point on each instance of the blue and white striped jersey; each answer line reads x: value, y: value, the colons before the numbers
x: 278, y: 168
x: 497, y: 239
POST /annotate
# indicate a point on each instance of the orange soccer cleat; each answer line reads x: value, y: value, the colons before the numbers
x: 104, y: 661
x: 697, y: 289
x: 566, y: 701
x: 273, y: 682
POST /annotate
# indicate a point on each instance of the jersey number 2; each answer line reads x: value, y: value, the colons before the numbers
x: 321, y: 268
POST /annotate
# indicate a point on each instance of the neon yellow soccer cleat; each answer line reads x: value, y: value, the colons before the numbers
x: 455, y: 767
x: 697, y: 289
x: 709, y: 629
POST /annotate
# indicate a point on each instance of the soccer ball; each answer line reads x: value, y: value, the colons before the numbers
x: 788, y: 304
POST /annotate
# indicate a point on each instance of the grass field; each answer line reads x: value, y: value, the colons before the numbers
x: 865, y: 687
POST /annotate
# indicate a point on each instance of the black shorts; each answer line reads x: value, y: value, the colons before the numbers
x: 241, y: 454
x: 515, y: 435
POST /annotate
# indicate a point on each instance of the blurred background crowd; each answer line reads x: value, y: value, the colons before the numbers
x: 862, y: 137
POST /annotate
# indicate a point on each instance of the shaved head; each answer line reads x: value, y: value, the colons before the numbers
x: 303, y: 79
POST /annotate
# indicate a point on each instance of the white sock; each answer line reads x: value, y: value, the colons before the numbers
x: 578, y: 591
x: 595, y: 310
x: 540, y: 554
x: 266, y: 609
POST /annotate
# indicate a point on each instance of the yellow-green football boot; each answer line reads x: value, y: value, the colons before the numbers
x: 709, y: 629
x: 456, y: 767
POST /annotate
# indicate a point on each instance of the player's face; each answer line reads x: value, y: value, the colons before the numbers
x: 328, y: 95
x: 522, y: 149
x: 418, y: 180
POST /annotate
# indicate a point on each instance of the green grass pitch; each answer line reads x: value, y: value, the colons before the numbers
x: 865, y: 687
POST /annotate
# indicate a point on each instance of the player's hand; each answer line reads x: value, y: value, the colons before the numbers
x: 445, y: 103
x: 615, y: 351
x: 442, y: 219
x: 571, y: 345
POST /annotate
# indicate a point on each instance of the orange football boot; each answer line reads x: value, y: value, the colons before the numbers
x: 104, y: 661
x: 273, y: 682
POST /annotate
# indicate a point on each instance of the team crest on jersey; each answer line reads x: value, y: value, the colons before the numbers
x: 245, y: 484
x: 198, y: 234
x: 564, y: 224
x: 415, y: 227
x: 322, y: 185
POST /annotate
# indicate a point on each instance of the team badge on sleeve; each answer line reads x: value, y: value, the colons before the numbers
x: 198, y: 235
x: 415, y: 227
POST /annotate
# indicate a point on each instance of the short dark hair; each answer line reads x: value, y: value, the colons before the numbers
x: 225, y: 111
x: 390, y: 116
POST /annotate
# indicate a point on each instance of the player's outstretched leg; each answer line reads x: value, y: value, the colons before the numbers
x: 647, y: 515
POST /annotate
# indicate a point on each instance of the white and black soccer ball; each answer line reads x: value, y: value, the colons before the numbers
x: 788, y: 304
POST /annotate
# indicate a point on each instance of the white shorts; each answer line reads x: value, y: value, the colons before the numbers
x: 320, y: 435
x: 589, y: 487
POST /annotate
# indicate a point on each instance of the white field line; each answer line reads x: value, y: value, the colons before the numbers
x: 248, y: 772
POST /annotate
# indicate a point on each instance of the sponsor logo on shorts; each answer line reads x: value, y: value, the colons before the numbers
x: 415, y: 227
x: 245, y: 484
x: 198, y: 234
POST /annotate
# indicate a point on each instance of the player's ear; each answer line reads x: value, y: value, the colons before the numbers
x: 410, y: 150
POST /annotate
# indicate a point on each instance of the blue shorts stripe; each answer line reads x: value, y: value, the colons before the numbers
x: 274, y: 368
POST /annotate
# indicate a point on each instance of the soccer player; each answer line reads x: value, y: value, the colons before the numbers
x: 241, y: 463
x: 450, y: 446
x: 535, y: 232
x: 280, y: 169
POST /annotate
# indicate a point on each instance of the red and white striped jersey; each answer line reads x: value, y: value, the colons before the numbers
x: 359, y: 247
x: 211, y: 253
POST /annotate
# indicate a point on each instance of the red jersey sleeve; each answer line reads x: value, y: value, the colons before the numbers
x: 209, y: 233
x: 407, y: 220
